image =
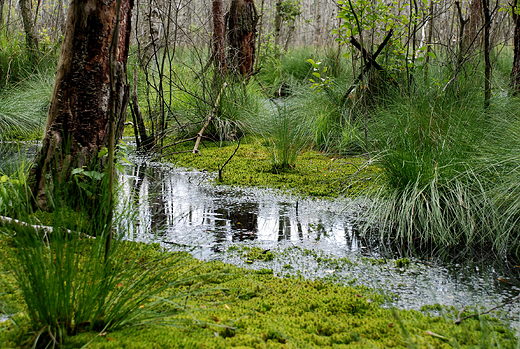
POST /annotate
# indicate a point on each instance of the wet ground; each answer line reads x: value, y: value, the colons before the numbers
x: 266, y: 229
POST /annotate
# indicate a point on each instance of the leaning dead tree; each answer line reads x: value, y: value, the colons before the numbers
x: 77, y: 125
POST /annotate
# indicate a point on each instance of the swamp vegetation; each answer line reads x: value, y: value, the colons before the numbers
x: 409, y: 111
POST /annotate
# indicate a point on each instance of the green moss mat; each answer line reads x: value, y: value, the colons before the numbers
x: 313, y: 174
x: 254, y: 309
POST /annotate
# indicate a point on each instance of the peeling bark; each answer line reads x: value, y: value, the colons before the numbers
x: 242, y: 36
x: 78, y: 119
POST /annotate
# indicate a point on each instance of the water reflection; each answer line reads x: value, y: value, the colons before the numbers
x: 182, y: 208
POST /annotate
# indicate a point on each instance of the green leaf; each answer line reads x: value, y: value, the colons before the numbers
x: 94, y: 175
x: 432, y: 55
x: 77, y: 171
x: 103, y: 152
x: 4, y: 178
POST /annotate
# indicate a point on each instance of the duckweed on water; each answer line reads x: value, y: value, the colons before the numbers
x: 254, y: 309
x: 314, y: 174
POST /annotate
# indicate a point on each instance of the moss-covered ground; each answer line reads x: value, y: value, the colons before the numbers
x: 240, y: 308
x: 313, y: 173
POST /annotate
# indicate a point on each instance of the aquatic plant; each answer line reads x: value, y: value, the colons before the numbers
x: 258, y: 309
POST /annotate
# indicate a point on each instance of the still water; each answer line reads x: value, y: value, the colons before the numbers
x: 184, y: 210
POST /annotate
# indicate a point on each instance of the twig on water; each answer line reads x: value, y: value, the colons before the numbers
x: 459, y: 319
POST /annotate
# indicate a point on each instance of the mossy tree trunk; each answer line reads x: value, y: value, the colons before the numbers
x: 77, y: 125
x: 241, y: 34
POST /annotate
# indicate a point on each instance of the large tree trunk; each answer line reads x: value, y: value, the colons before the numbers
x: 219, y: 53
x: 78, y: 120
x: 242, y: 36
x: 515, y: 72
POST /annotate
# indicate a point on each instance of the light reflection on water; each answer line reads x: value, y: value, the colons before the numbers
x: 182, y: 208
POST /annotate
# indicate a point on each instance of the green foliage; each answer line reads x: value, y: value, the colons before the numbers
x: 379, y: 18
x: 16, y: 64
x: 14, y: 194
x: 290, y: 10
x: 323, y: 81
x: 445, y: 165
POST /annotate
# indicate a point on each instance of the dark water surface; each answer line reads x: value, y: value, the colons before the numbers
x: 184, y: 211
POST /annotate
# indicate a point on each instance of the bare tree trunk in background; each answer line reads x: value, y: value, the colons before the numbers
x: 260, y: 27
x: 242, y: 36
x: 31, y: 37
x: 61, y: 17
x: 278, y: 23
x: 317, y: 25
x: 462, y: 26
x: 290, y: 33
x: 2, y: 12
x: 515, y: 72
x: 429, y: 39
x: 219, y: 53
x: 473, y: 27
x: 487, y: 49
x: 78, y: 120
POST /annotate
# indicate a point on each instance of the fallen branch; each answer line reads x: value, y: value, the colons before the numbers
x: 46, y: 229
x: 370, y: 59
x: 459, y: 319
x: 225, y: 163
x: 210, y: 117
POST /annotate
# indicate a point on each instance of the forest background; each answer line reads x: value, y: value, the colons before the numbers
x: 422, y: 93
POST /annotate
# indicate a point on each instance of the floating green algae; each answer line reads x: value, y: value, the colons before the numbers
x: 235, y: 307
x: 313, y: 174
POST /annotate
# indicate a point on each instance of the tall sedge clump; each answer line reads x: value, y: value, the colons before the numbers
x: 431, y: 190
x: 285, y: 132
